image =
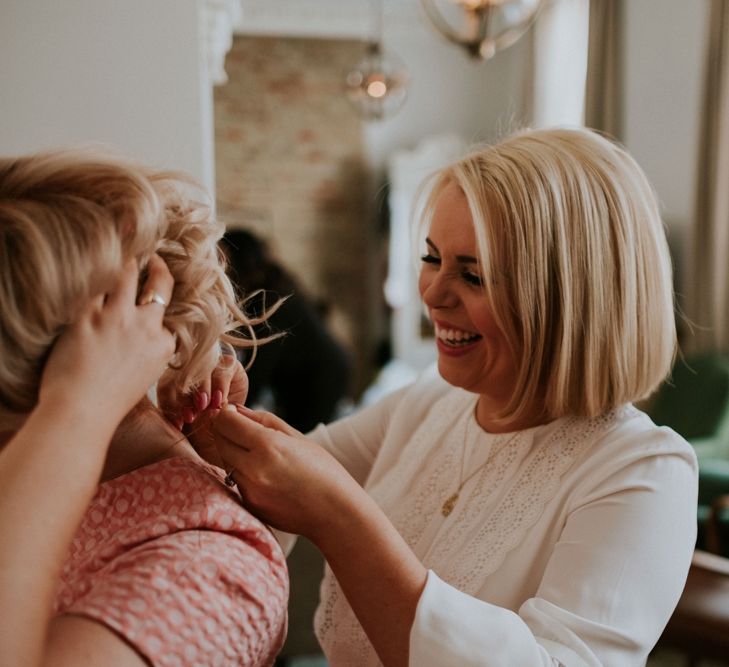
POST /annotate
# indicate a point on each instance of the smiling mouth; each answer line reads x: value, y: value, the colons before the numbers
x: 456, y: 337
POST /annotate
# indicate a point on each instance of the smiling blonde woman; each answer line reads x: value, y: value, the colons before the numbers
x: 575, y: 266
x: 516, y: 509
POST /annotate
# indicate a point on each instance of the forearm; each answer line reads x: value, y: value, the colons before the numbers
x: 48, y: 474
x: 295, y: 485
x: 380, y: 576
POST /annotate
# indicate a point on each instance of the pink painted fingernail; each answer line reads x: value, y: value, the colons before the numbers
x: 188, y: 416
x: 217, y: 400
x: 201, y: 400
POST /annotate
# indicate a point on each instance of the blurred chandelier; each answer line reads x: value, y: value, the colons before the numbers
x: 481, y: 27
x: 377, y: 85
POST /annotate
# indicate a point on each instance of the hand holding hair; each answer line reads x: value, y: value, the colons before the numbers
x: 128, y: 340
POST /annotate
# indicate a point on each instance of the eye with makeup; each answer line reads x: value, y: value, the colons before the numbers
x: 468, y: 275
x: 472, y: 278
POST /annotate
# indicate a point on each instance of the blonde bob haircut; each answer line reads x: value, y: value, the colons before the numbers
x: 69, y: 220
x: 576, y: 267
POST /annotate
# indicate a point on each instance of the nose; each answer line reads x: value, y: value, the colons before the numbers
x: 436, y: 290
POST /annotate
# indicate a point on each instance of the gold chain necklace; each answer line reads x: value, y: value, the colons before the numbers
x: 450, y: 501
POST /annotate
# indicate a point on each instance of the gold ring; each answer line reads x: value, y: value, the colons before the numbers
x: 151, y: 296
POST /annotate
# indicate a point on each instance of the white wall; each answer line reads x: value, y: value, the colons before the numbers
x: 448, y: 91
x: 127, y: 73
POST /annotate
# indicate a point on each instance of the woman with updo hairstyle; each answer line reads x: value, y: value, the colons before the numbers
x: 514, y: 509
x: 120, y: 545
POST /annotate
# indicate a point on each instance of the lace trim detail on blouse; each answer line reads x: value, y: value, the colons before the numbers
x: 521, y: 507
x: 337, y: 629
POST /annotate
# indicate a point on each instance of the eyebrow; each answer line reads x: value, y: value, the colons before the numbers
x: 464, y: 259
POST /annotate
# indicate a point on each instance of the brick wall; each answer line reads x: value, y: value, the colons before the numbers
x: 290, y: 166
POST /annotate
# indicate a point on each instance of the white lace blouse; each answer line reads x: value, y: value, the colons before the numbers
x: 569, y: 544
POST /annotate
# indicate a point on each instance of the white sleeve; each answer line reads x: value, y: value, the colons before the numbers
x: 356, y: 439
x: 609, y: 588
x: 453, y: 628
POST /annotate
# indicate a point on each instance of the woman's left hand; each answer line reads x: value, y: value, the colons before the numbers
x: 106, y: 360
x: 284, y: 478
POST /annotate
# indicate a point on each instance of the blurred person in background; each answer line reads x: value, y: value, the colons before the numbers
x: 304, y: 375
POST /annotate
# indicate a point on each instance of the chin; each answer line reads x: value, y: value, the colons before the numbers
x: 461, y: 377
x: 447, y: 373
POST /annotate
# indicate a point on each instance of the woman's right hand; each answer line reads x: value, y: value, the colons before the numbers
x: 284, y: 478
x: 293, y: 484
x: 116, y: 349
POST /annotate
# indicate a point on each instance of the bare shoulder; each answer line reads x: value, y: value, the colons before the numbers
x: 75, y: 640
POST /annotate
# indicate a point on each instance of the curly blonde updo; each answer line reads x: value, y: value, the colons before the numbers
x: 69, y: 220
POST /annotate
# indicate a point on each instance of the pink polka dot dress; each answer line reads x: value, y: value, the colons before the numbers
x: 168, y: 559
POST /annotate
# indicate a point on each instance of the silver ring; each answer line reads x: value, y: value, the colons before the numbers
x: 151, y: 296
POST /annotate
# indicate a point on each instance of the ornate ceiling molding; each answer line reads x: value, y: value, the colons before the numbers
x: 218, y: 22
x: 335, y: 19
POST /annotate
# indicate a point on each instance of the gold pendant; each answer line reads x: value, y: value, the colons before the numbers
x: 449, y: 504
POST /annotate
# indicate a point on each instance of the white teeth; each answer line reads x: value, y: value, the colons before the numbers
x: 455, y: 336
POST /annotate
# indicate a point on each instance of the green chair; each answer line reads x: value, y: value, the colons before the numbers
x: 695, y: 403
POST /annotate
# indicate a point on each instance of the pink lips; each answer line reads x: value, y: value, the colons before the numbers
x: 456, y: 351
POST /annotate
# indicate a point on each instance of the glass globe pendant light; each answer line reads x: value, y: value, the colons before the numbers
x: 377, y: 85
x: 481, y: 27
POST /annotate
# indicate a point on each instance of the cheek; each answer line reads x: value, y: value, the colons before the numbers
x: 423, y: 282
x: 497, y: 341
x: 483, y: 319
